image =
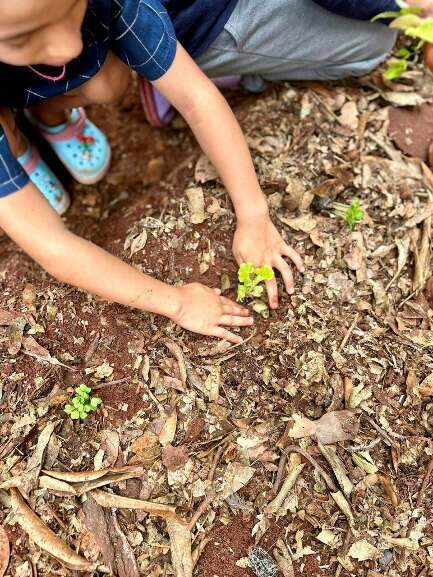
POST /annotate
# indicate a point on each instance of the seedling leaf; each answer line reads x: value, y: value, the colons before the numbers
x: 250, y: 279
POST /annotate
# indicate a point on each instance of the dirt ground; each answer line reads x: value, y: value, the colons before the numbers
x: 217, y: 427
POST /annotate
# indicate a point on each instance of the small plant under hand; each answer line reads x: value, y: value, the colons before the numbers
x: 250, y: 279
x: 82, y: 404
x: 408, y: 20
x: 352, y: 213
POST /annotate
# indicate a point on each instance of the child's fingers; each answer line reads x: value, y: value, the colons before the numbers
x: 287, y: 275
x: 226, y: 335
x: 235, y: 321
x: 272, y: 290
x: 294, y: 257
x: 231, y: 308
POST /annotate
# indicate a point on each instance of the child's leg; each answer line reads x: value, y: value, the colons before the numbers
x: 27, y: 155
x: 78, y: 143
x: 108, y: 86
x: 294, y: 40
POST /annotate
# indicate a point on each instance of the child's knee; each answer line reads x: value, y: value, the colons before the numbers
x: 109, y: 85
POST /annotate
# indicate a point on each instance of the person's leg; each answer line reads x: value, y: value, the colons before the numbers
x: 37, y: 170
x: 294, y: 40
x: 62, y: 121
x: 108, y: 86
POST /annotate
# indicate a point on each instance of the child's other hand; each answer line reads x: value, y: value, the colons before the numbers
x: 259, y: 242
x: 203, y: 310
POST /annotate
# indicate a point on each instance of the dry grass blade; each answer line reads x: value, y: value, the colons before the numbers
x: 44, y: 537
x: 118, y: 502
x: 180, y: 542
x: 4, y: 551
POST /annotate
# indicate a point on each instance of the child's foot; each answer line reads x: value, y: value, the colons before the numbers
x: 44, y: 179
x: 158, y: 111
x: 79, y: 144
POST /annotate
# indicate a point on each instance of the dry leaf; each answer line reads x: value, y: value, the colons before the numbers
x: 180, y: 540
x: 403, y: 98
x: 136, y: 238
x: 304, y: 223
x: 204, y: 170
x: 236, y: 476
x: 212, y: 383
x: 332, y: 427
x: 118, y: 502
x: 425, y: 389
x: 349, y: 115
x: 174, y: 458
x: 44, y: 537
x: 294, y: 470
x: 114, y: 546
x: 56, y: 486
x: 363, y: 551
x: 168, y: 431
x: 338, y: 468
x: 4, y: 551
x: 176, y: 351
x: 196, y: 205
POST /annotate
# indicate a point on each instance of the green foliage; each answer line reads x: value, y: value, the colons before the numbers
x: 250, y: 279
x: 82, y: 404
x: 414, y: 26
x: 352, y: 213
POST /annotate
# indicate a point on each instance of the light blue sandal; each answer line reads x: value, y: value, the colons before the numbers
x: 79, y: 144
x: 44, y: 179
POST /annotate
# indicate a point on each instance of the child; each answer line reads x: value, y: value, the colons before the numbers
x: 257, y: 42
x: 58, y: 56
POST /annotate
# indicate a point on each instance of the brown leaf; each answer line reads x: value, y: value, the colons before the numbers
x: 56, y: 486
x: 174, y: 458
x: 196, y: 204
x: 194, y: 430
x: 116, y: 551
x: 180, y: 541
x: 4, y: 551
x: 44, y: 537
x: 118, y: 502
x: 15, y: 335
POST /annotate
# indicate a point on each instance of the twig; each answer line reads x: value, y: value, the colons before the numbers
x: 383, y: 433
x: 348, y: 333
x: 110, y: 383
x: 280, y: 474
x: 215, y: 462
x: 201, y: 509
x: 365, y: 447
x: 326, y: 477
x: 424, y: 485
x: 199, y: 550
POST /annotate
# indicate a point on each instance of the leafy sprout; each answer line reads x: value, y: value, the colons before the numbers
x: 408, y: 20
x: 82, y: 404
x: 352, y: 213
x: 250, y: 279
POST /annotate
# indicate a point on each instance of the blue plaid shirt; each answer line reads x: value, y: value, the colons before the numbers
x: 139, y: 32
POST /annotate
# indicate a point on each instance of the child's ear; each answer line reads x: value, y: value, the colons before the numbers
x: 428, y: 56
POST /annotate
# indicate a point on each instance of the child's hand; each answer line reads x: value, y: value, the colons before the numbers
x: 203, y: 310
x: 259, y: 242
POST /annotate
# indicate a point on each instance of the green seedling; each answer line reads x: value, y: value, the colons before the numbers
x: 251, y: 279
x: 413, y: 25
x: 82, y: 404
x: 352, y: 213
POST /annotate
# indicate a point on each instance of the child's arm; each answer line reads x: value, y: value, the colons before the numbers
x: 220, y: 136
x: 30, y: 221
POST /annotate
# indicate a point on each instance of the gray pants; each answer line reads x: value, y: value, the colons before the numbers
x: 274, y: 40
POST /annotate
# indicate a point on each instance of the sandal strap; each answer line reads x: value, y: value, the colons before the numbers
x: 71, y: 130
x: 30, y: 165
